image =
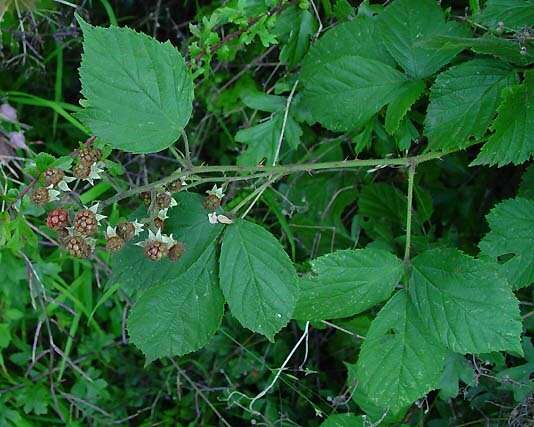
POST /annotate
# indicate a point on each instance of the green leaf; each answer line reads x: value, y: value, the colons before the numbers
x: 335, y: 93
x: 263, y: 102
x: 263, y: 139
x: 138, y: 92
x: 343, y: 420
x: 511, y: 237
x: 466, y: 304
x: 181, y: 306
x: 405, y: 26
x: 346, y: 283
x: 456, y: 369
x: 526, y: 188
x: 463, y: 101
x: 398, y: 108
x: 34, y: 398
x: 257, y: 278
x: 358, y: 37
x: 294, y: 28
x: 488, y: 44
x: 513, y: 140
x: 399, y: 360
x: 514, y: 14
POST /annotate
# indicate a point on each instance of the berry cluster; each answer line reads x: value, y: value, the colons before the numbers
x: 78, y: 230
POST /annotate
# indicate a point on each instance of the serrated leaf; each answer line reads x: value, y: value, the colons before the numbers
x: 456, y: 369
x: 463, y: 100
x: 263, y: 102
x: 263, y: 140
x: 514, y: 14
x: 346, y: 283
x: 513, y: 139
x: 397, y: 109
x: 511, y: 237
x: 257, y: 278
x: 465, y: 303
x: 333, y: 91
x: 405, y: 26
x: 399, y: 361
x: 488, y: 44
x: 138, y: 92
x: 358, y: 37
x: 180, y: 304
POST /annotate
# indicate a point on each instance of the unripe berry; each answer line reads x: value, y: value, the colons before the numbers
x: 176, y: 251
x: 81, y: 171
x: 146, y: 197
x: 125, y: 230
x: 155, y: 250
x: 212, y: 202
x: 85, y: 222
x: 163, y: 200
x: 159, y: 223
x: 89, y: 155
x: 77, y: 246
x: 53, y: 176
x: 174, y: 186
x: 114, y: 243
x: 57, y: 219
x: 40, y: 196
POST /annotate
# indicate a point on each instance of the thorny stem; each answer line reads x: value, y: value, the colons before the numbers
x: 411, y: 175
x: 281, y: 170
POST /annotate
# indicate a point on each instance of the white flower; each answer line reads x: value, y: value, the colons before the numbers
x: 96, y: 170
x: 156, y: 237
x: 94, y: 209
x: 168, y: 240
x: 173, y: 201
x: 215, y: 218
x: 162, y: 214
x: 52, y: 194
x: 111, y: 232
x: 63, y: 185
x: 215, y: 191
x: 138, y: 227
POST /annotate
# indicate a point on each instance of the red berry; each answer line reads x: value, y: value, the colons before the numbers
x: 57, y: 219
x: 155, y: 250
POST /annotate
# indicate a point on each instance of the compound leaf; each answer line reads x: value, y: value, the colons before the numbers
x: 513, y: 140
x: 257, y: 278
x: 511, y: 236
x: 138, y: 92
x: 463, y: 102
x: 466, y: 304
x: 399, y: 360
x: 347, y: 282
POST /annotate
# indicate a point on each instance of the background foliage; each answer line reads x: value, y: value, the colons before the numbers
x: 405, y: 280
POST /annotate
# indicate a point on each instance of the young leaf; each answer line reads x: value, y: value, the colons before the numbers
x: 263, y: 102
x: 406, y: 24
x: 398, y: 108
x: 294, y: 28
x: 399, y: 361
x: 346, y: 283
x: 514, y: 14
x: 263, y: 139
x: 464, y: 302
x: 463, y: 101
x: 330, y: 93
x: 511, y: 236
x: 456, y: 369
x: 138, y: 92
x: 257, y: 278
x: 513, y: 140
